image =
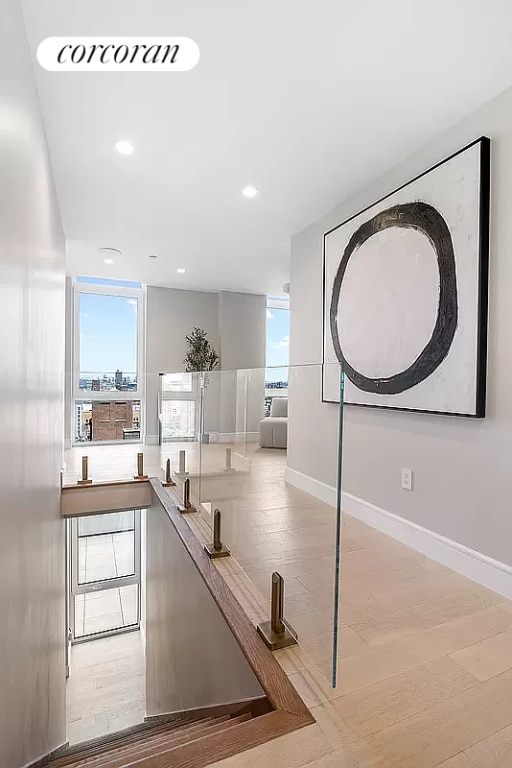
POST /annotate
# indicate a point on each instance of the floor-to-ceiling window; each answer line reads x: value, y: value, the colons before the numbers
x: 108, y: 360
x: 278, y: 346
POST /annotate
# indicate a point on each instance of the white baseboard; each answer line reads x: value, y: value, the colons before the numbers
x: 316, y: 488
x: 151, y: 440
x: 474, y: 565
x: 238, y: 437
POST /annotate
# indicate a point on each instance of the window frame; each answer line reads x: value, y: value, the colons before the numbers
x: 86, y: 395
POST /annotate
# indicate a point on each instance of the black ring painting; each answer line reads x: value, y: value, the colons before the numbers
x: 423, y: 218
x: 449, y: 206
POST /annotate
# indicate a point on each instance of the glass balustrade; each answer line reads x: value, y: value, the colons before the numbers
x: 233, y: 441
x: 245, y: 460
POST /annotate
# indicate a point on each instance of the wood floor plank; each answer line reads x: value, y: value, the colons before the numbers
x: 492, y: 752
x: 449, y: 727
x: 382, y: 662
x: 488, y: 658
x: 381, y: 705
x: 458, y: 761
x: 424, y: 672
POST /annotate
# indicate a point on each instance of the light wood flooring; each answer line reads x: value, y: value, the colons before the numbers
x: 425, y: 655
x: 106, y: 689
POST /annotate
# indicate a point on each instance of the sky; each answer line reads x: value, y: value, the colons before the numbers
x: 108, y: 334
x: 278, y: 343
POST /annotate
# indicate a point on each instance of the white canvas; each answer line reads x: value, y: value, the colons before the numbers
x: 389, y: 295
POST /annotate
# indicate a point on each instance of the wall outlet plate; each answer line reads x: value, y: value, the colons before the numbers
x: 407, y: 479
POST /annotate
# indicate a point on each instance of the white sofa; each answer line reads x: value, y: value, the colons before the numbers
x: 274, y: 429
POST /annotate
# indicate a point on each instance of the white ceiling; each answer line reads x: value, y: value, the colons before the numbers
x: 307, y: 101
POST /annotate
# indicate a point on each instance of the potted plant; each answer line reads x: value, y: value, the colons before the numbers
x: 200, y: 358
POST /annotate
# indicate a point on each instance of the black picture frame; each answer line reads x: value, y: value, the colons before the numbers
x: 483, y: 282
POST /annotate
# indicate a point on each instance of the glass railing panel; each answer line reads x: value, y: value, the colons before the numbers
x: 236, y: 438
x: 270, y: 520
x: 180, y: 429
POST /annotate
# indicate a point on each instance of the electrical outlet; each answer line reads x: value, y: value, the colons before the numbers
x: 407, y: 479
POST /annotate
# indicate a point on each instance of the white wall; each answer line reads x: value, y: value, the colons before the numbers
x: 32, y: 572
x: 192, y: 657
x: 242, y: 325
x: 68, y: 388
x: 461, y: 466
x: 171, y: 314
x: 235, y: 324
x: 242, y: 321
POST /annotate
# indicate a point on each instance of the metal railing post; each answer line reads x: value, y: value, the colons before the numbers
x: 187, y: 505
x: 169, y: 482
x: 140, y: 468
x: 84, y: 480
x: 277, y: 633
x: 217, y: 548
x: 182, y: 466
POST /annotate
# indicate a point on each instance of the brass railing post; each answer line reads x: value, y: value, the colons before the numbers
x: 217, y: 548
x: 84, y: 480
x: 229, y: 461
x: 169, y: 482
x: 277, y: 633
x: 277, y: 605
x: 186, y: 506
x: 140, y: 468
x: 182, y: 466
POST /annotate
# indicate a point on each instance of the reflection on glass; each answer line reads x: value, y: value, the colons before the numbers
x: 178, y: 419
x: 106, y: 610
x: 177, y: 382
x: 104, y: 556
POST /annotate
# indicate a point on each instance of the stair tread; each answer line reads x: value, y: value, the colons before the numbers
x: 133, y: 757
x: 120, y: 750
x: 119, y: 754
x: 114, y: 740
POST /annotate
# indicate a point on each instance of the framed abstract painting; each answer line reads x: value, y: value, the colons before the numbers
x: 405, y: 293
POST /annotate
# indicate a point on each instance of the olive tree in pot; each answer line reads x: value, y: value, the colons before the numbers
x: 200, y: 358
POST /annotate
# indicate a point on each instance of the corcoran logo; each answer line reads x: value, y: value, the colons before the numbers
x: 118, y: 54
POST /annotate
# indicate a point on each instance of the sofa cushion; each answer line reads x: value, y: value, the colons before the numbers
x: 279, y: 407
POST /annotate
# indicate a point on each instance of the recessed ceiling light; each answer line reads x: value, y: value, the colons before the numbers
x: 249, y: 191
x: 109, y: 261
x: 109, y: 252
x: 153, y: 256
x: 124, y: 147
x: 181, y: 271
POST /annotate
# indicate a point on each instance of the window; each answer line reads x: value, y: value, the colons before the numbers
x: 180, y: 406
x: 278, y: 349
x: 102, y: 421
x: 108, y: 355
x: 108, y: 281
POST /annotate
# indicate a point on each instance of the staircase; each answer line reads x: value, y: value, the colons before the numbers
x: 149, y: 746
